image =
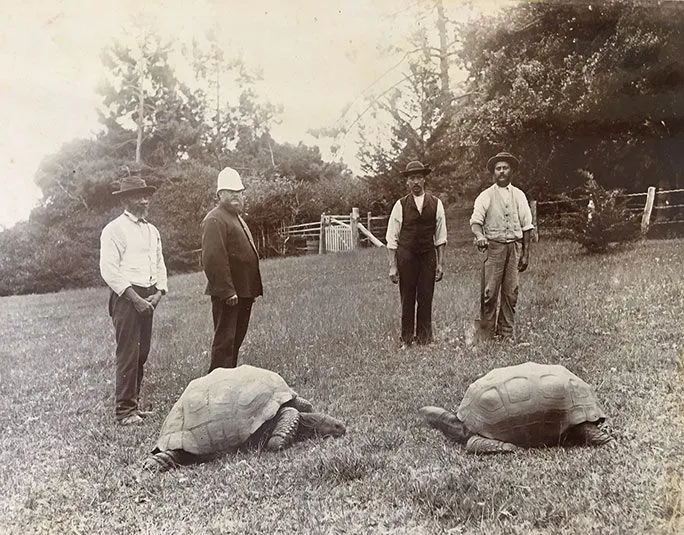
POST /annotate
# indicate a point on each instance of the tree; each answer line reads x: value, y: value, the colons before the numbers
x: 143, y: 93
x: 577, y: 85
x: 418, y: 113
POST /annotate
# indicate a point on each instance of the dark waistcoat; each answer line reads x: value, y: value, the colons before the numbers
x: 417, y: 232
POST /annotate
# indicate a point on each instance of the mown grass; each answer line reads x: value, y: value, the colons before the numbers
x: 329, y: 325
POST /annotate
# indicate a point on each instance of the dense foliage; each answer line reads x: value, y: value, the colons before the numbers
x: 601, y: 220
x: 565, y: 86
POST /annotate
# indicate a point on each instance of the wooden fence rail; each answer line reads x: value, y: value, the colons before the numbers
x: 655, y: 210
x: 343, y: 232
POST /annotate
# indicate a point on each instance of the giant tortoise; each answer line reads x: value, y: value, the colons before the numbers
x: 523, y: 406
x: 231, y: 408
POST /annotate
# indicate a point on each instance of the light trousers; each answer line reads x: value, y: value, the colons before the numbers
x: 499, y: 287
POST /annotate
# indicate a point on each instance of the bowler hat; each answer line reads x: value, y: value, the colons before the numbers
x: 416, y: 168
x: 133, y: 184
x: 502, y: 157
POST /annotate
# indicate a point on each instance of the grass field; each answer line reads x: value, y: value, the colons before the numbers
x: 329, y: 325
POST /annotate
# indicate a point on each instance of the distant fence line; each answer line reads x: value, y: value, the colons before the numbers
x: 657, y: 208
x: 334, y: 233
x: 345, y: 232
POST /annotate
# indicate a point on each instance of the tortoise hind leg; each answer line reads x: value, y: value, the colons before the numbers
x: 161, y: 461
x: 480, y: 444
x: 287, y: 422
x: 590, y: 434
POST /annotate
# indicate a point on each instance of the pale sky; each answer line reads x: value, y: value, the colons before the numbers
x: 316, y: 56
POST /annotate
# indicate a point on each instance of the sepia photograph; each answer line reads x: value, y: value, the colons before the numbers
x: 396, y: 267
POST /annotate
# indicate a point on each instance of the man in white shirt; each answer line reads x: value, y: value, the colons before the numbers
x: 416, y: 236
x: 502, y: 224
x: 132, y: 265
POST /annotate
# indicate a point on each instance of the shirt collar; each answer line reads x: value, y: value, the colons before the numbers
x: 421, y: 196
x: 134, y: 218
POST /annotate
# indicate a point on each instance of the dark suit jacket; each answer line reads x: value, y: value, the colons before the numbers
x: 229, y: 258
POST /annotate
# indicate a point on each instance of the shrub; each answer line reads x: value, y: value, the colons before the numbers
x: 602, y: 220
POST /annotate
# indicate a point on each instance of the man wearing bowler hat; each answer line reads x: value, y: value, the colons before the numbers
x: 502, y: 224
x: 231, y: 264
x: 132, y: 265
x: 416, y: 236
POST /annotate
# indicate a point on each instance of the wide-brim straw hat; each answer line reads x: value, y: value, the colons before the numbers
x: 502, y: 157
x: 415, y: 168
x: 133, y: 184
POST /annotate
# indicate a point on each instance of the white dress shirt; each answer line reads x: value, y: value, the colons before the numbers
x: 131, y: 254
x: 397, y: 216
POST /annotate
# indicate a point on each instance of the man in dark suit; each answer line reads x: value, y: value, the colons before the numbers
x: 231, y: 264
x: 416, y: 236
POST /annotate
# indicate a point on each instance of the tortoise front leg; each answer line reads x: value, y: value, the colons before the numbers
x: 161, y: 461
x: 301, y: 404
x: 285, y: 429
x: 480, y: 444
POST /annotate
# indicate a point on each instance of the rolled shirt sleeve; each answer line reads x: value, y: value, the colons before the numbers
x: 480, y: 209
x: 111, y: 254
x: 440, y: 228
x: 524, y: 212
x: 394, y: 226
x: 162, y: 276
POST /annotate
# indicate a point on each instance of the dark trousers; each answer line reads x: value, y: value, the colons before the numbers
x: 133, y: 333
x: 230, y: 328
x: 416, y: 288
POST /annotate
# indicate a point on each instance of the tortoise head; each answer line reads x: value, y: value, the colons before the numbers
x: 318, y: 424
x: 447, y: 422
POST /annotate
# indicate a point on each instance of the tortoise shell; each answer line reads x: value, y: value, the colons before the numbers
x: 528, y: 404
x: 219, y: 412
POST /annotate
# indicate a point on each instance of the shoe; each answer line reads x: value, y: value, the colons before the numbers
x: 131, y: 419
x: 505, y: 338
x: 404, y: 346
x: 145, y: 414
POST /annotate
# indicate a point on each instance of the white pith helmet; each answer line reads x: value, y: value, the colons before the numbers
x: 229, y: 179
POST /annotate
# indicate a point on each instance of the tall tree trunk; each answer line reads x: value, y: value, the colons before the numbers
x: 443, y: 52
x: 141, y: 106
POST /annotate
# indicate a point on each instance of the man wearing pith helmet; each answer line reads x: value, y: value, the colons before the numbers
x: 132, y: 265
x: 231, y: 264
x: 502, y: 224
x: 416, y: 236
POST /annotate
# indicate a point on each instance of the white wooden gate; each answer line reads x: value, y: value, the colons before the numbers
x: 338, y: 238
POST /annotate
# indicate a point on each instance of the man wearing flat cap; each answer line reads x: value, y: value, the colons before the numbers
x: 416, y: 236
x: 132, y: 265
x: 231, y: 264
x: 502, y: 224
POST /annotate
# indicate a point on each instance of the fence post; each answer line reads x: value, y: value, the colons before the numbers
x: 369, y: 218
x: 321, y: 234
x: 535, y: 230
x: 353, y: 223
x: 648, y: 208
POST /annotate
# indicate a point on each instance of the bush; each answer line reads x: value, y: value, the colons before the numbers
x: 602, y: 221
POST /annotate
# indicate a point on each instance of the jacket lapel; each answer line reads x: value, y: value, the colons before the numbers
x: 249, y: 234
